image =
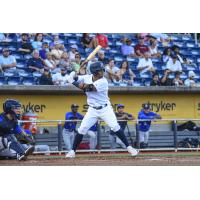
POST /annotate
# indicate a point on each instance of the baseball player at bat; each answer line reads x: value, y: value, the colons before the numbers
x: 96, y: 88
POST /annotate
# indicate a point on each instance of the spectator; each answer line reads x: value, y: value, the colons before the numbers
x: 60, y: 78
x: 24, y: 45
x: 177, y: 81
x: 155, y: 80
x: 86, y: 41
x: 46, y: 78
x: 37, y: 43
x: 165, y: 80
x: 112, y: 72
x: 56, y: 40
x: 126, y: 48
x: 49, y: 62
x: 174, y: 64
x: 176, y: 51
x: 57, y: 52
x: 64, y: 62
x: 121, y: 115
x: 144, y: 126
x: 190, y: 81
x: 126, y: 74
x: 77, y: 62
x: 102, y: 58
x: 72, y: 53
x: 7, y: 61
x: 35, y: 63
x: 44, y: 50
x: 188, y: 63
x: 162, y: 37
x: 141, y: 48
x: 145, y: 64
x: 166, y: 56
x: 153, y: 49
x: 100, y: 39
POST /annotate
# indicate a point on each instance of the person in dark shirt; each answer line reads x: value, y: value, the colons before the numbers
x: 86, y: 40
x: 121, y: 115
x: 46, y: 78
x: 25, y: 47
x: 165, y: 80
x: 44, y: 50
x: 141, y: 48
x: 102, y: 58
x: 35, y: 63
x: 155, y: 80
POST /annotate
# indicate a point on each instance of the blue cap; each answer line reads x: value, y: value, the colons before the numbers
x: 120, y: 106
x: 146, y: 106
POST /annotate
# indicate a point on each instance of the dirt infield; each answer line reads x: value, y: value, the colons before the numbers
x: 107, y: 159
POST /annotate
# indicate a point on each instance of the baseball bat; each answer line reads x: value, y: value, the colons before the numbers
x: 93, y: 53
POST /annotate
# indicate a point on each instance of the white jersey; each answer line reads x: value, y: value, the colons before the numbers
x: 99, y: 97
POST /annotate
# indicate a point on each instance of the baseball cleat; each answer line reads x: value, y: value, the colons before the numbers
x: 70, y: 154
x: 29, y: 150
x: 132, y: 151
x: 21, y: 157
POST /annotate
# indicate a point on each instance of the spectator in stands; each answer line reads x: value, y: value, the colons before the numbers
x: 176, y: 51
x: 145, y: 64
x: 56, y: 40
x: 126, y: 48
x: 77, y: 62
x: 144, y: 126
x: 50, y: 64
x: 60, y: 78
x: 177, y: 81
x: 102, y: 58
x: 37, y: 43
x: 44, y: 50
x: 46, y: 78
x: 100, y: 39
x: 57, y: 52
x: 188, y: 64
x: 111, y: 72
x: 166, y: 56
x: 162, y: 37
x: 126, y: 75
x: 155, y: 80
x: 121, y: 115
x: 141, y: 48
x: 64, y: 62
x: 165, y: 80
x: 153, y: 49
x: 72, y: 52
x: 24, y: 45
x: 7, y: 61
x: 35, y: 63
x: 86, y: 41
x: 174, y: 64
x: 190, y: 81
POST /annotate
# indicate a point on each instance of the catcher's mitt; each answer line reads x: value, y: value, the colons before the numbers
x: 25, y: 138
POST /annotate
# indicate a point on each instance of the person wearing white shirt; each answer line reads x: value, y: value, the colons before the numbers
x: 73, y: 52
x: 111, y: 71
x: 49, y: 62
x: 190, y: 82
x: 145, y: 64
x: 174, y: 64
x: 60, y: 78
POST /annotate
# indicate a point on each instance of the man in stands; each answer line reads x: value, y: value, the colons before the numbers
x: 126, y: 48
x: 24, y: 46
x: 141, y: 48
x: 7, y: 61
x: 102, y: 58
x: 174, y: 64
x: 165, y: 80
x: 61, y: 77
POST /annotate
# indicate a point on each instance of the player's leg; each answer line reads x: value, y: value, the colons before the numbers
x: 107, y: 114
x: 6, y: 153
x: 88, y: 121
x: 66, y: 138
x: 112, y: 139
x: 72, y: 136
x: 146, y: 138
x: 120, y: 143
x: 93, y: 139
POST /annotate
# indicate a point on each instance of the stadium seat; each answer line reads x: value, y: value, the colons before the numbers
x: 15, y: 80
x: 28, y: 81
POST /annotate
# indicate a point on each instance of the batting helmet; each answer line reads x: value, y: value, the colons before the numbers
x: 95, y: 67
x: 11, y: 104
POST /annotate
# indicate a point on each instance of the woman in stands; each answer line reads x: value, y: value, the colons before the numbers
x: 49, y: 62
x: 37, y: 43
x: 166, y: 56
x: 126, y: 74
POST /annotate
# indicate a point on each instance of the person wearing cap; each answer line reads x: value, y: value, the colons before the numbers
x: 121, y: 115
x: 177, y: 81
x: 72, y: 52
x: 174, y: 64
x: 141, y: 48
x: 7, y: 61
x: 46, y: 78
x: 190, y: 81
x: 69, y: 129
x: 60, y: 78
x: 24, y: 46
x: 126, y: 48
x: 145, y: 64
x: 144, y: 126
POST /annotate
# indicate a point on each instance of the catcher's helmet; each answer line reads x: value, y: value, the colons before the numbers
x: 95, y: 67
x: 11, y: 104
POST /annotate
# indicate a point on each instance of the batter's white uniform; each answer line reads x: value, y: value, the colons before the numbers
x: 95, y: 99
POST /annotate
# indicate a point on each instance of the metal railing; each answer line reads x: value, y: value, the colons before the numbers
x: 173, y: 122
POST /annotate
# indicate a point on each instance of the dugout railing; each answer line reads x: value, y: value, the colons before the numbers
x: 170, y: 139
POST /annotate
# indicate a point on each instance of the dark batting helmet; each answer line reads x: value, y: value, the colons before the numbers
x: 96, y: 67
x: 9, y: 106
